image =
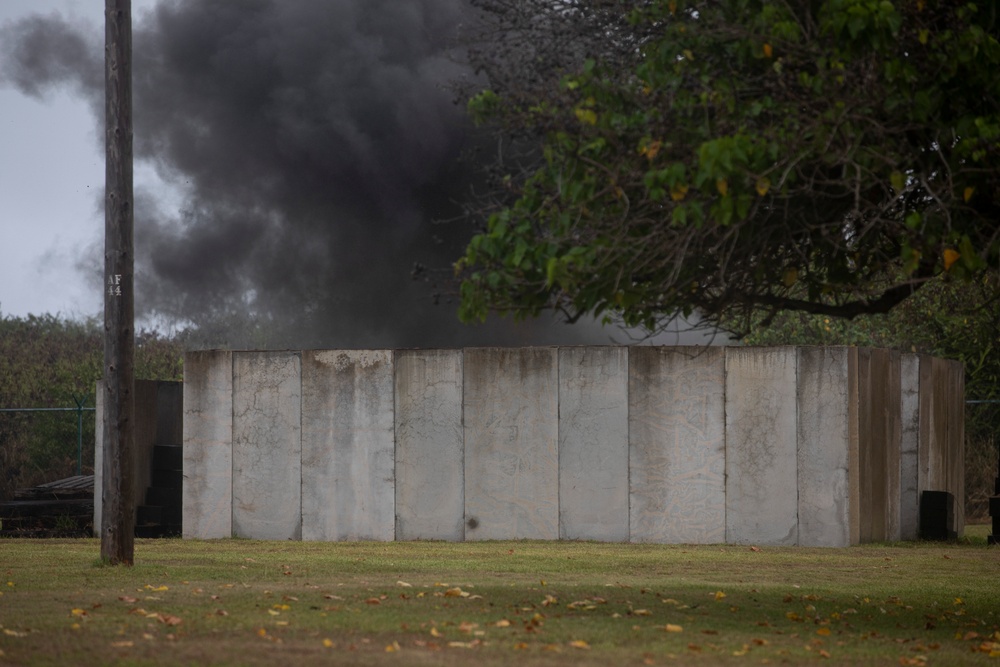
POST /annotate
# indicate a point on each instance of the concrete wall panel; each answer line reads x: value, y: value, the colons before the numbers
x: 956, y: 440
x: 267, y: 454
x: 348, y: 480
x: 942, y: 446
x: 593, y: 443
x: 761, y: 444
x: 430, y: 477
x: 824, y: 446
x: 677, y: 444
x: 909, y: 409
x: 879, y: 401
x: 208, y: 445
x: 158, y: 418
x: 511, y: 442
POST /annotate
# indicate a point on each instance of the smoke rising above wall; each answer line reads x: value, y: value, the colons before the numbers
x: 313, y: 148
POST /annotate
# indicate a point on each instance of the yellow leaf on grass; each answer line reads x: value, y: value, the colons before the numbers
x: 579, y: 643
x: 79, y: 612
x: 642, y: 612
x: 670, y: 627
x: 392, y: 648
x: 824, y: 632
x: 456, y: 592
x: 502, y: 623
x: 328, y: 643
x: 719, y: 595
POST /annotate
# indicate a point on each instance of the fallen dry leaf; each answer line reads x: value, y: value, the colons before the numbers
x: 671, y: 627
x: 579, y: 643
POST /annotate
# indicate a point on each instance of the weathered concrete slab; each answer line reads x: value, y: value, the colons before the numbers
x: 879, y: 444
x: 511, y: 442
x: 761, y: 444
x: 208, y: 445
x: 942, y: 447
x: 593, y: 443
x: 347, y: 445
x: 158, y: 419
x: 854, y: 456
x: 267, y: 447
x: 677, y: 444
x: 430, y: 447
x: 824, y: 446
x: 909, y: 409
x: 956, y: 440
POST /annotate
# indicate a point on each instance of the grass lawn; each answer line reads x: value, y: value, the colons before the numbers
x: 241, y: 602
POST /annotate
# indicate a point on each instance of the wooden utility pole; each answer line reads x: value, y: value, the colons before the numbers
x: 117, y: 499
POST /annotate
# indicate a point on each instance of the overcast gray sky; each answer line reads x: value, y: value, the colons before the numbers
x: 51, y: 184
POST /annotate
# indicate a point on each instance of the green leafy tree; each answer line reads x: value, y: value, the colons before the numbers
x: 49, y: 362
x: 829, y: 157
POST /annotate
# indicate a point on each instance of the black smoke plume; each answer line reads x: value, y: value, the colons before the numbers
x: 317, y: 150
x: 315, y: 154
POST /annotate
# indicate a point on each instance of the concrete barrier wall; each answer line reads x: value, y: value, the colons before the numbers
x: 677, y: 444
x: 810, y: 446
x: 158, y: 415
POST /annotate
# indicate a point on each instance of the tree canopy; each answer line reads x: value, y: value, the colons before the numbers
x: 734, y: 156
